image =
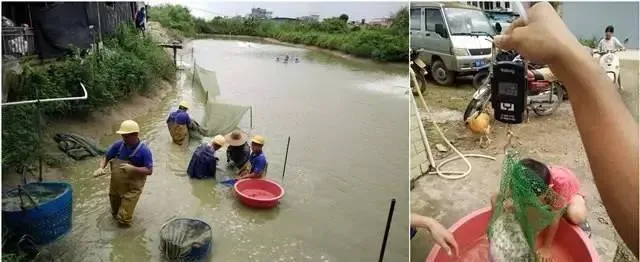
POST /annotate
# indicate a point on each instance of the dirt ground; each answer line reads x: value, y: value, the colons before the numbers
x: 553, y: 139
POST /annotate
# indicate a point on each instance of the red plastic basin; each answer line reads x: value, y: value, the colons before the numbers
x: 258, y: 193
x: 570, y: 243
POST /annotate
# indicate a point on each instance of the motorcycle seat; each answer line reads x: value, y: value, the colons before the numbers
x: 543, y: 74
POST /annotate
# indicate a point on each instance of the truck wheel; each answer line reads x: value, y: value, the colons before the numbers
x: 440, y: 73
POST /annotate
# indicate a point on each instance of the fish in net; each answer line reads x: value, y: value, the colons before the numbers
x: 30, y: 196
x: 512, y: 232
x: 185, y: 239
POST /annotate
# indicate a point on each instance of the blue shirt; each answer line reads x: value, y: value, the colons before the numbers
x: 180, y: 117
x: 203, y: 162
x: 258, y: 162
x: 141, y: 158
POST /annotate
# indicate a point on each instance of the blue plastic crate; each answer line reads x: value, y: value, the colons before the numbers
x: 46, y: 222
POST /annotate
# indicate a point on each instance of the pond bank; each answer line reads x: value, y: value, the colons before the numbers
x: 97, y: 124
x: 310, y: 47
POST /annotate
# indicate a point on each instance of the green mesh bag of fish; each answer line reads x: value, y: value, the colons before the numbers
x: 523, y: 209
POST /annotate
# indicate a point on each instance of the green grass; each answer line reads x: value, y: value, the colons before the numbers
x: 450, y: 97
x: 590, y: 42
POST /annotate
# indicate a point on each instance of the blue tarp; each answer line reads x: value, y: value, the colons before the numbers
x: 203, y: 163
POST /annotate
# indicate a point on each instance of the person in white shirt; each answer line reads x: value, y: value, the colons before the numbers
x: 609, y: 42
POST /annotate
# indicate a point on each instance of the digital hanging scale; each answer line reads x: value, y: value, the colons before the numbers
x: 509, y: 84
x: 508, y: 91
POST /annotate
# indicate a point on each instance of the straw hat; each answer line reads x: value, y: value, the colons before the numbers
x: 184, y: 104
x: 219, y: 140
x: 236, y: 138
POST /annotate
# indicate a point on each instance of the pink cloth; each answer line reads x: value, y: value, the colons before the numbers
x: 565, y: 183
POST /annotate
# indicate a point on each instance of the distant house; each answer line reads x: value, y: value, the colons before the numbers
x: 383, y: 22
x: 310, y: 18
x: 260, y: 13
x: 49, y: 28
x: 623, y: 16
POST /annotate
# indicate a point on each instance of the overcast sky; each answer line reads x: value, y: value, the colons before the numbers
x: 355, y: 10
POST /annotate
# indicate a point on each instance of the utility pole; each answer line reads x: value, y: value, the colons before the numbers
x: 99, y: 24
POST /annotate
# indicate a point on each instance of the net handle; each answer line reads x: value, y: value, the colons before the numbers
x: 22, y: 191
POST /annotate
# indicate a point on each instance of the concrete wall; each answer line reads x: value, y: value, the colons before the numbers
x: 589, y: 19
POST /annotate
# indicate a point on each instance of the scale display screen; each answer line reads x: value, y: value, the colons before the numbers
x: 507, y: 89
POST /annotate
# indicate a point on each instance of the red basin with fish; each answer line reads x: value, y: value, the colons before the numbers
x: 571, y: 244
x: 258, y: 193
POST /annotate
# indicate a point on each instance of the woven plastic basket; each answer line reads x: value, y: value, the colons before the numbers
x: 185, y: 239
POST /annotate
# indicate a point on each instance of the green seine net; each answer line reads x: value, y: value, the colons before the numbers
x: 220, y: 117
x: 512, y: 234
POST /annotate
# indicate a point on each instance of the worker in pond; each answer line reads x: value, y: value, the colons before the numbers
x: 179, y: 123
x: 238, y: 150
x: 257, y: 161
x: 131, y: 163
x: 204, y: 161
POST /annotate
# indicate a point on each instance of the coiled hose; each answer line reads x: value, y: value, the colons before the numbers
x: 449, y: 174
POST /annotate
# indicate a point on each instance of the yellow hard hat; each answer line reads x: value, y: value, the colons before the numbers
x: 128, y: 127
x: 219, y: 140
x: 184, y: 104
x: 258, y: 139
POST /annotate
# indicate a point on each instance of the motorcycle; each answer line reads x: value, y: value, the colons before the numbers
x: 544, y: 94
x: 610, y: 63
x: 418, y: 72
x: 483, y: 73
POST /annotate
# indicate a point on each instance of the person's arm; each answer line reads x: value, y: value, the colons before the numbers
x: 259, y: 167
x: 601, y: 44
x: 609, y: 135
x: 147, y: 169
x: 147, y: 161
x: 215, y: 165
x: 440, y: 234
x: 418, y: 221
x: 618, y: 44
x: 111, y: 153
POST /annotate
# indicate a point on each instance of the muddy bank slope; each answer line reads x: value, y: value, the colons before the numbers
x: 99, y: 123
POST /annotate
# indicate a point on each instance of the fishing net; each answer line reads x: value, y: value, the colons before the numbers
x: 220, y: 117
x: 29, y: 196
x: 513, y: 231
x: 207, y: 80
x: 185, y: 239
